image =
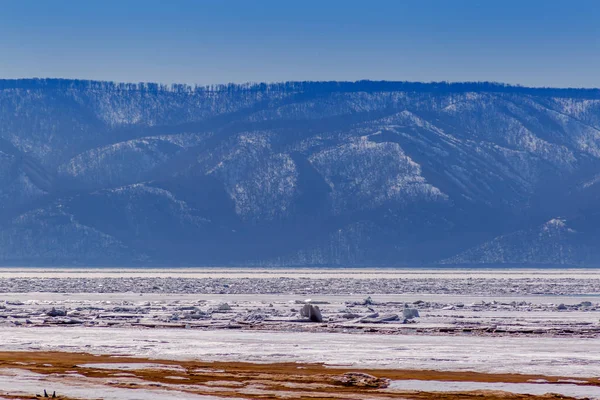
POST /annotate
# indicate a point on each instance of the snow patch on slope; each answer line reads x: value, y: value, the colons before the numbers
x: 261, y: 183
x: 125, y: 162
x: 363, y: 174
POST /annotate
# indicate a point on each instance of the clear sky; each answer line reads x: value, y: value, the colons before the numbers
x: 530, y: 42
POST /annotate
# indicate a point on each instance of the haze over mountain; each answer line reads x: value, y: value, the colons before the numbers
x: 298, y: 173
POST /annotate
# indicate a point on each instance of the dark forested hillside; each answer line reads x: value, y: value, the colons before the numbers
x: 298, y: 173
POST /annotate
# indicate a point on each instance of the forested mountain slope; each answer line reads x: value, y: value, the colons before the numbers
x: 298, y: 173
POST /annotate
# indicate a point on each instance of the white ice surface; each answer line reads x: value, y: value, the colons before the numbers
x: 522, y: 388
x: 345, y: 273
x: 432, y: 297
x: 28, y: 383
x: 576, y: 357
x: 132, y: 366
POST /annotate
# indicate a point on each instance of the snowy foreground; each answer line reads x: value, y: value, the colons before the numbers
x: 540, y: 323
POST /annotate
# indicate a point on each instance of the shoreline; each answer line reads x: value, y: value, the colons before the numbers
x: 251, y: 380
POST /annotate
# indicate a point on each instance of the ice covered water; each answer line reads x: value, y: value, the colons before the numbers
x: 589, y: 392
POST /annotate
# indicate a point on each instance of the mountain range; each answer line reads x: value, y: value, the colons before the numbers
x: 298, y: 174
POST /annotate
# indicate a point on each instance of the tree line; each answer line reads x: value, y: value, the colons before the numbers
x: 301, y: 86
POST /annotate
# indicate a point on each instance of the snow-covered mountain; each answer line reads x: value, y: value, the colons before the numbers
x: 298, y: 173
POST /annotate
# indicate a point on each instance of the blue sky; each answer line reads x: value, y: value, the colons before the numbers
x: 530, y: 42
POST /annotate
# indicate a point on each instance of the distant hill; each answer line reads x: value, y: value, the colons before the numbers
x: 298, y: 173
